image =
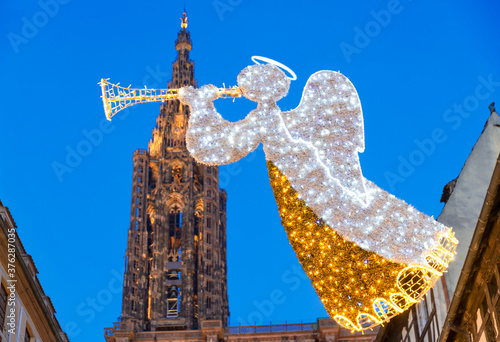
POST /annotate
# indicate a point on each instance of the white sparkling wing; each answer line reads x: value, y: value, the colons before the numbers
x: 329, y: 116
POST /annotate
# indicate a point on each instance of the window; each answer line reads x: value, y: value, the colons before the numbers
x: 209, y: 169
x: 492, y: 287
x: 196, y: 223
x: 489, y: 330
x: 209, y: 207
x: 422, y: 313
x: 209, y: 254
x: 209, y: 303
x: 484, y: 307
x: 27, y: 336
x: 209, y: 270
x: 3, y: 306
x: 209, y: 223
x: 209, y: 193
x: 173, y: 302
x: 136, y: 251
x: 497, y: 309
x: 174, y: 218
x: 209, y: 238
x: 172, y: 307
x: 133, y: 305
x: 209, y: 286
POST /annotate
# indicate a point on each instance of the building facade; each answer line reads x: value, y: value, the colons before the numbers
x: 466, y: 198
x: 474, y: 313
x: 175, y: 272
x: 26, y: 313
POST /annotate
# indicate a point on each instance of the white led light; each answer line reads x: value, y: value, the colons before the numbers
x: 256, y: 60
x: 316, y: 147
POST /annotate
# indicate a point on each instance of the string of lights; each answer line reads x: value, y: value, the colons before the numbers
x: 368, y: 254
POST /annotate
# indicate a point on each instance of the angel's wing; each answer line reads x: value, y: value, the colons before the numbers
x: 329, y: 117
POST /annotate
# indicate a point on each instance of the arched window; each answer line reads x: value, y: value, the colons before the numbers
x: 197, y: 221
x: 175, y: 218
x: 3, y: 304
x: 173, y: 302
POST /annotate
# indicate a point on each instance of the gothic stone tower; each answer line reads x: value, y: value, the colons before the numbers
x: 175, y: 272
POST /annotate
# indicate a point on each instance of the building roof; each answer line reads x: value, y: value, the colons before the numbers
x: 27, y: 265
x: 464, y: 205
x: 487, y: 218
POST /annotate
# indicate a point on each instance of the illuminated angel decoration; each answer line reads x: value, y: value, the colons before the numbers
x: 368, y: 254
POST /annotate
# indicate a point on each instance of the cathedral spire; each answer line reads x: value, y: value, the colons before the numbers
x: 183, y: 42
x: 172, y: 121
x: 184, y: 20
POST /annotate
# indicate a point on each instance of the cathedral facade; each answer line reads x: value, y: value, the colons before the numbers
x: 175, y: 272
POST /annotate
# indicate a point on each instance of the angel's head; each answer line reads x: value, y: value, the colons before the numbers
x: 263, y: 83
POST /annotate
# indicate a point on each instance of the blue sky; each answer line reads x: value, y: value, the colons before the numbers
x: 425, y: 73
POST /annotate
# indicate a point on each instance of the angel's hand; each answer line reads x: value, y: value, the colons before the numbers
x: 209, y: 92
x: 192, y: 96
x: 187, y: 95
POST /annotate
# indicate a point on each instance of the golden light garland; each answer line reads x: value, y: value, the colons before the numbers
x: 358, y: 288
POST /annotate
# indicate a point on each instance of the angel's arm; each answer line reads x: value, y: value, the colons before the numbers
x: 211, y: 139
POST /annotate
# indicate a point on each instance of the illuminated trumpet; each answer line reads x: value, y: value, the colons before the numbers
x: 115, y: 98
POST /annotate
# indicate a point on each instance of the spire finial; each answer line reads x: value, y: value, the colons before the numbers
x: 492, y: 107
x: 184, y: 19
